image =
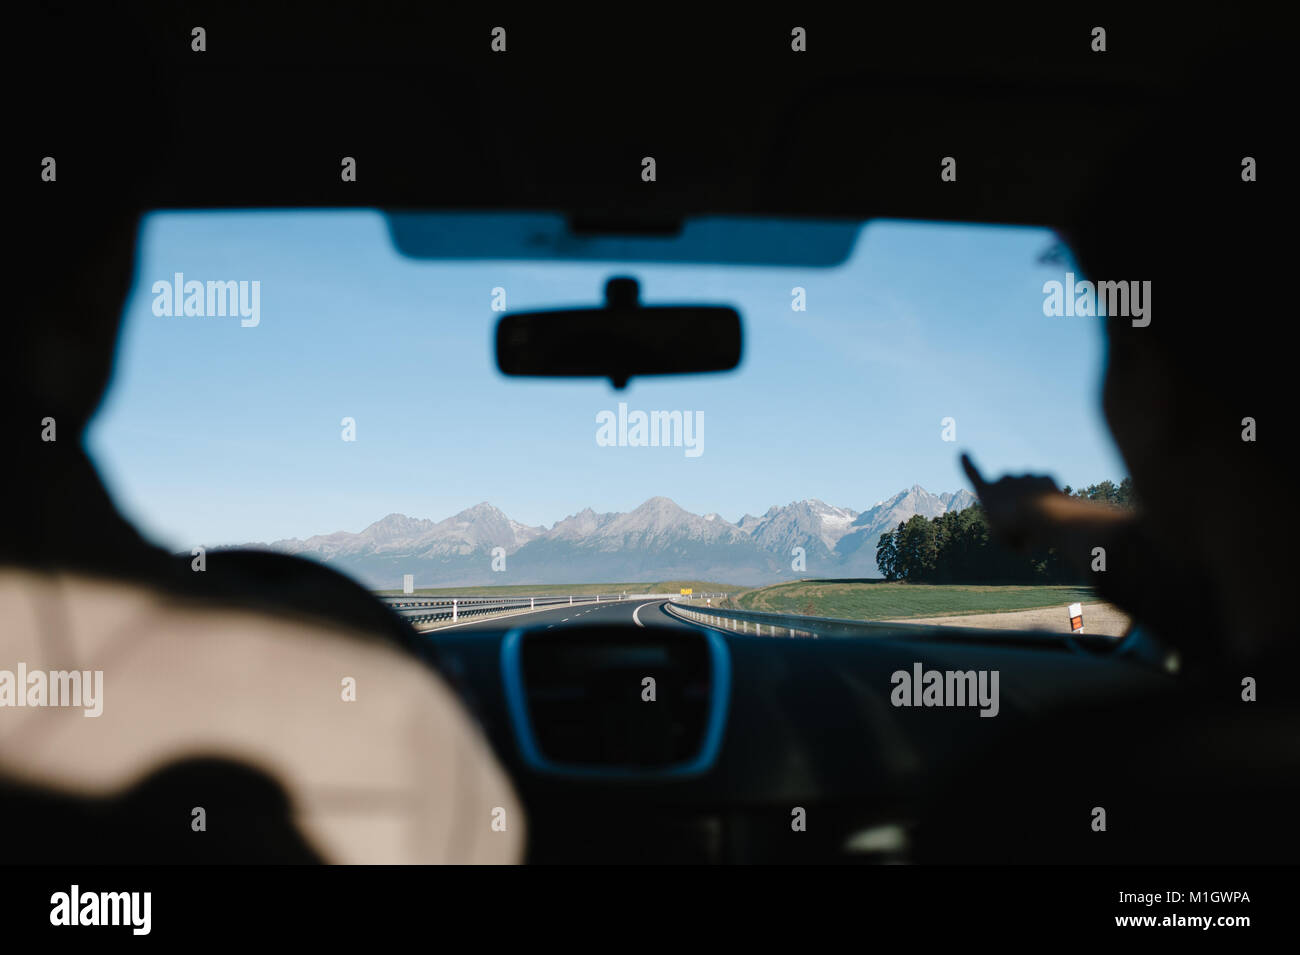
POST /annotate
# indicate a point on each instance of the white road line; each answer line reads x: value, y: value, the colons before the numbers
x: 635, y: 618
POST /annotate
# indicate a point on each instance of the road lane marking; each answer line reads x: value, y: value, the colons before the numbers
x: 635, y: 618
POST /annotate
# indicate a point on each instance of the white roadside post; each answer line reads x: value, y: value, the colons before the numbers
x: 532, y: 603
x: 453, y: 610
x: 1076, y: 618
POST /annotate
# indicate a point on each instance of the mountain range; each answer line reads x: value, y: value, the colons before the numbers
x: 656, y: 541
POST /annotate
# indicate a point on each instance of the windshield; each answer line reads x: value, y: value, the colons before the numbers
x: 291, y: 380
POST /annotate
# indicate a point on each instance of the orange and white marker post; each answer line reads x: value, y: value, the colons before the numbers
x: 1076, y: 617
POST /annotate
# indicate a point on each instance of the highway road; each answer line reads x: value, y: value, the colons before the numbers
x: 646, y: 613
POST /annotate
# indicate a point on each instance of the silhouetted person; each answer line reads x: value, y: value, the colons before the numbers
x: 1196, y: 772
x: 1205, y: 561
x: 273, y: 693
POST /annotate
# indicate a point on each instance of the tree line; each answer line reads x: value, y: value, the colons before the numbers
x: 957, y: 548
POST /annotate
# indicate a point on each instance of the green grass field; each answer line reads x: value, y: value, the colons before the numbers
x: 882, y: 600
x: 560, y: 590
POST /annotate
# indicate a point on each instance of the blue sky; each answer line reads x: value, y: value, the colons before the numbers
x: 214, y: 433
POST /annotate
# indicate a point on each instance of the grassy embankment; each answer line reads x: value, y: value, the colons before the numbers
x: 883, y: 600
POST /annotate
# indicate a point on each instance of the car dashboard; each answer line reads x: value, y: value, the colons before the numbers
x: 657, y: 739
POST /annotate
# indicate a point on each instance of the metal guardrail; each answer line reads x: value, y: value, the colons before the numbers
x: 433, y: 609
x: 797, y: 625
x: 764, y: 624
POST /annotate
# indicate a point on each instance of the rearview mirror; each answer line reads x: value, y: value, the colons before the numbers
x: 621, y: 340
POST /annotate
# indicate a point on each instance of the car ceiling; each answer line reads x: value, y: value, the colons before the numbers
x: 737, y: 123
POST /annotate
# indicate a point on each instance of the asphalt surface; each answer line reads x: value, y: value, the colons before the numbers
x: 645, y: 613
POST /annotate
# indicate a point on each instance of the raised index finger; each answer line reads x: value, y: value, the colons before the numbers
x: 972, y: 472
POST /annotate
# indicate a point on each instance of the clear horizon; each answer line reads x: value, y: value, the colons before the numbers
x: 550, y: 525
